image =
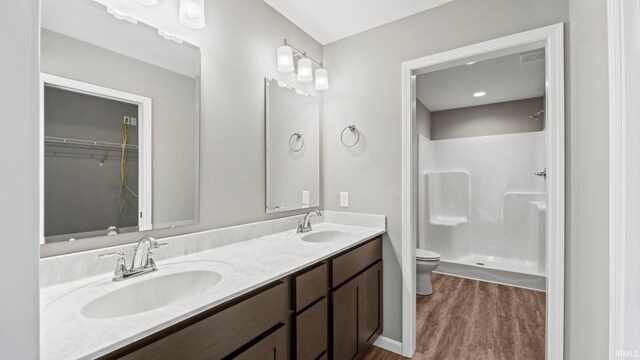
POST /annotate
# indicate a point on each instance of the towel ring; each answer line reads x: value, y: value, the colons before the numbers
x: 353, y: 129
x: 298, y: 136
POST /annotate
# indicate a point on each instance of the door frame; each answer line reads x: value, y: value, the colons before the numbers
x: 144, y: 104
x: 552, y: 39
x: 623, y: 25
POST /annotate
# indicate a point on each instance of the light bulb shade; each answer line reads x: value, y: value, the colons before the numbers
x: 285, y: 59
x: 322, y: 79
x: 192, y: 13
x: 305, y: 72
x: 147, y: 2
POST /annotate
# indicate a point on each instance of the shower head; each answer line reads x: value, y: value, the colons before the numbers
x: 537, y: 115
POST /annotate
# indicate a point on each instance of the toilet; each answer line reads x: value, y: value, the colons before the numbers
x: 426, y: 262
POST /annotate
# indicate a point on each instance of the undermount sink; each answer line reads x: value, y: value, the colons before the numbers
x: 150, y: 294
x: 327, y: 236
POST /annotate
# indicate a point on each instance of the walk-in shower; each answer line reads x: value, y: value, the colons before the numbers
x: 482, y: 208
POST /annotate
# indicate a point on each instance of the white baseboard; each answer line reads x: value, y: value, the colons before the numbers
x: 389, y: 344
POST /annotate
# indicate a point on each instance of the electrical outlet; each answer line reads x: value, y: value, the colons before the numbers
x: 305, y: 197
x: 344, y: 199
x: 126, y: 120
x: 134, y: 121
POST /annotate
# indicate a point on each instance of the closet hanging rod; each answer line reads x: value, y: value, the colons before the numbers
x: 52, y: 140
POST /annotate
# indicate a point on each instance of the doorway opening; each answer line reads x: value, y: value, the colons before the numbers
x: 519, y: 238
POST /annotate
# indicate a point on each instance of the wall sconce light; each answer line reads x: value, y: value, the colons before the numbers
x: 285, y: 59
x: 322, y: 79
x: 286, y: 53
x: 305, y: 71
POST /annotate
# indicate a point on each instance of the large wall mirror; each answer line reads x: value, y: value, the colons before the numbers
x: 121, y: 119
x: 293, y: 148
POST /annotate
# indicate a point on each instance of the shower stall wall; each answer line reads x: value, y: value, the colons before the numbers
x: 482, y: 208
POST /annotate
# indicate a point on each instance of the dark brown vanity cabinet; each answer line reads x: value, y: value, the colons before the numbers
x: 357, y: 303
x: 330, y: 310
x: 310, y: 319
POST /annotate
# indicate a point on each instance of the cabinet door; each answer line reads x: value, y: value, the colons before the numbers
x: 272, y: 347
x: 311, y: 332
x: 345, y: 320
x: 371, y: 306
x: 357, y: 314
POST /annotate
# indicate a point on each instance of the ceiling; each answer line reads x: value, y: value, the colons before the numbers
x: 331, y: 20
x: 502, y: 78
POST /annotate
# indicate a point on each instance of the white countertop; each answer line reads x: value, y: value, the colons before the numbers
x: 245, y: 266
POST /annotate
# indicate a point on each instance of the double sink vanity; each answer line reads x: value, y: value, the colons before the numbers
x: 253, y: 291
x: 266, y: 290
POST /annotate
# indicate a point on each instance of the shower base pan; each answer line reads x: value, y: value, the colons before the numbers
x: 510, y: 272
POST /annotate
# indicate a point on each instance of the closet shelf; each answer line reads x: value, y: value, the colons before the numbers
x: 53, y: 141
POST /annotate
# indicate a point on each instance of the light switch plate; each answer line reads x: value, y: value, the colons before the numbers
x: 344, y: 199
x: 305, y: 197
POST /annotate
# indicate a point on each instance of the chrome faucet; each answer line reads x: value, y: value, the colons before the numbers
x: 143, y: 267
x: 304, y: 224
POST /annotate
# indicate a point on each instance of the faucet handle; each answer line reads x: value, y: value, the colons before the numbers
x: 300, y: 221
x: 106, y: 255
x: 121, y: 266
x: 159, y: 244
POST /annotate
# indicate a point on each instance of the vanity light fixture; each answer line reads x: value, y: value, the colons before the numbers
x: 286, y: 54
x: 285, y: 59
x: 192, y: 13
x: 322, y: 79
x: 305, y: 71
x: 479, y: 94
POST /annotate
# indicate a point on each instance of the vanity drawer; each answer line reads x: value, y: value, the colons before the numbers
x: 224, y: 332
x: 310, y: 286
x: 347, y: 265
x: 312, y: 331
x: 272, y: 347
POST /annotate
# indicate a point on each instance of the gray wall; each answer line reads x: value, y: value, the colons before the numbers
x: 587, y: 251
x: 423, y: 119
x: 238, y: 50
x: 366, y: 90
x: 492, y: 119
x: 81, y: 191
x: 19, y: 303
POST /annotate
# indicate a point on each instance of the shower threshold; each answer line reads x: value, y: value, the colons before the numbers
x: 512, y: 273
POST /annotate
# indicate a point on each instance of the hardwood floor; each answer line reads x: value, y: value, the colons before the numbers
x: 474, y: 320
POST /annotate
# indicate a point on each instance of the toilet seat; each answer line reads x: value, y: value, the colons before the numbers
x: 422, y: 254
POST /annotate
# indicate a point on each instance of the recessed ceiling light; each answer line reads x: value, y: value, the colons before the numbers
x: 470, y: 63
x: 480, y: 93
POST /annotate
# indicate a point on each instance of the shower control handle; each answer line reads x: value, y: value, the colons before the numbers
x: 542, y: 173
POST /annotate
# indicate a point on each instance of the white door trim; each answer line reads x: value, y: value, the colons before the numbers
x: 623, y: 274
x: 551, y: 38
x: 144, y: 140
x: 616, y: 175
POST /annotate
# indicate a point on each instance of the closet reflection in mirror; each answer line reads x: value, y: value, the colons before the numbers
x: 121, y: 124
x: 293, y: 148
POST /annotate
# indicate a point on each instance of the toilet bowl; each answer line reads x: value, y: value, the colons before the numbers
x: 426, y: 262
